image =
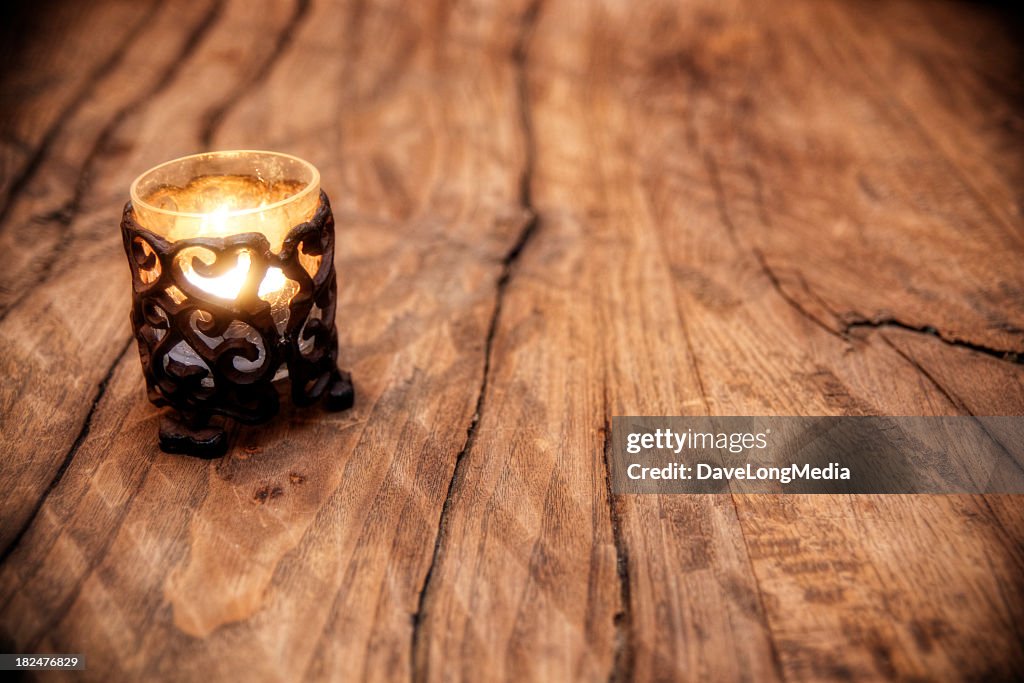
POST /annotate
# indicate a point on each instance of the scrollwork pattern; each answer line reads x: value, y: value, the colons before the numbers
x: 203, y: 355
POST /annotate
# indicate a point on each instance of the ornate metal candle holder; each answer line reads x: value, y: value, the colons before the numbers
x: 210, y: 357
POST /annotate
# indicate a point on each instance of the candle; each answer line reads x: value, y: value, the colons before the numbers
x: 234, y: 288
x: 226, y: 193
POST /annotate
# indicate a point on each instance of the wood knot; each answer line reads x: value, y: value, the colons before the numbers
x: 247, y: 452
x: 268, y: 492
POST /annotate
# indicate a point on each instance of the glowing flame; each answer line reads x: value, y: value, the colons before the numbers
x: 229, y: 285
x: 273, y: 281
x: 226, y: 286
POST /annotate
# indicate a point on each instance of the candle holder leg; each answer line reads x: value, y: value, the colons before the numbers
x: 202, y: 437
x: 340, y: 394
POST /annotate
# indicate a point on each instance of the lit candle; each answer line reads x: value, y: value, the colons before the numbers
x: 234, y: 282
x: 227, y: 193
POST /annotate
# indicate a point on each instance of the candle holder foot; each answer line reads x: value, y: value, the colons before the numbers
x: 340, y: 394
x: 207, y: 440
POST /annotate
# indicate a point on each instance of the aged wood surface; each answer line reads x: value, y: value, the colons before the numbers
x: 549, y: 213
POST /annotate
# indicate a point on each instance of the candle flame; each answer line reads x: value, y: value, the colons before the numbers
x: 229, y: 285
x: 273, y: 281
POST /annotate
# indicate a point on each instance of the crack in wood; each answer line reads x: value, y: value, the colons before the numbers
x: 844, y: 334
x: 850, y: 322
x: 101, y: 390
x: 508, y: 263
x: 845, y: 324
x: 793, y: 303
x: 624, y: 657
x: 711, y: 167
x: 216, y: 115
x: 67, y: 214
x: 882, y: 322
x: 848, y: 325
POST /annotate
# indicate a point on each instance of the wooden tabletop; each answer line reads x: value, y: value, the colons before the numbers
x: 549, y: 214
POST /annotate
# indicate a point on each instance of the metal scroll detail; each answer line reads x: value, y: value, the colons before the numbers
x: 204, y: 355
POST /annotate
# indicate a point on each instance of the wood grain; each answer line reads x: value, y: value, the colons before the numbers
x: 44, y: 88
x: 549, y: 213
